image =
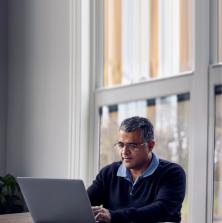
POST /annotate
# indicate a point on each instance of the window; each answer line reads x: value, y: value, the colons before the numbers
x: 217, y: 208
x: 137, y: 57
x: 144, y: 43
x: 146, y: 39
x: 154, y: 55
x: 170, y: 117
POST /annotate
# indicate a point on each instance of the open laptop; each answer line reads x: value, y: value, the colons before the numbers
x: 56, y: 200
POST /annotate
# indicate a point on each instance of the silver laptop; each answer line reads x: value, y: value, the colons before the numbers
x: 56, y: 200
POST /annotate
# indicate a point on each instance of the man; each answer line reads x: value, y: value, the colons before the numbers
x: 141, y: 187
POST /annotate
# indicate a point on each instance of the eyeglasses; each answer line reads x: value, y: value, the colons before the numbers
x: 130, y: 146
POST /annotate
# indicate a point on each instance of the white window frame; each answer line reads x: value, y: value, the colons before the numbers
x: 198, y: 102
x: 169, y: 86
x: 84, y: 112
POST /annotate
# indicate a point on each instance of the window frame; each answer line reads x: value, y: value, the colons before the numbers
x: 174, y: 85
x: 195, y: 82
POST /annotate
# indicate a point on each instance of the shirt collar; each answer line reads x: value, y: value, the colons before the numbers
x: 123, y: 172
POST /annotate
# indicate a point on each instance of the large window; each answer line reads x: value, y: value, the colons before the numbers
x: 217, y: 213
x: 146, y: 39
x: 157, y: 58
x: 147, y: 43
x: 151, y: 58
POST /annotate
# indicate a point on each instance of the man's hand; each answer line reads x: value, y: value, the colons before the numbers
x: 101, y: 214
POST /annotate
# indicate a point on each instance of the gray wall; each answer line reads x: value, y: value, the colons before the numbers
x: 38, y: 88
x: 3, y: 83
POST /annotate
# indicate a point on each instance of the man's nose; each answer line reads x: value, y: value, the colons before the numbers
x: 125, y: 150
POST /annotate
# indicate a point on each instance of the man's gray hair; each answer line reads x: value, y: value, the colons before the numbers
x: 136, y: 122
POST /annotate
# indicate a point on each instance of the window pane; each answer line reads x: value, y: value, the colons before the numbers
x: 220, y: 29
x: 218, y: 157
x: 170, y: 117
x: 146, y: 39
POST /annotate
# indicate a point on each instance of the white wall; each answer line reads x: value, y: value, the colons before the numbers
x: 38, y: 95
x: 3, y: 83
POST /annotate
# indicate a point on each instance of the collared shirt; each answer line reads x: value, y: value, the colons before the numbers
x: 124, y: 172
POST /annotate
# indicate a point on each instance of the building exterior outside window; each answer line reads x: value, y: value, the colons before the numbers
x: 170, y: 117
x: 146, y: 39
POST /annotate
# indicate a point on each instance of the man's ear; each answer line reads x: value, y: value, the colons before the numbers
x: 151, y: 144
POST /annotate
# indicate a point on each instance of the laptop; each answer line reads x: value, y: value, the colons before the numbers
x: 56, y: 200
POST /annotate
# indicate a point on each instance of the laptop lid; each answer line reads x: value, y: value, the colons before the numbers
x: 56, y: 200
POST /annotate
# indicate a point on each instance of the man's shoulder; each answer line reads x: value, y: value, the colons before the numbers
x: 166, y: 163
x: 167, y: 166
x: 111, y: 168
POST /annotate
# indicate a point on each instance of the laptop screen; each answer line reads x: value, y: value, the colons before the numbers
x: 56, y: 200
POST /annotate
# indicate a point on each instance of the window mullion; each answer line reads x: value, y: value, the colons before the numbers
x: 157, y: 88
x: 214, y: 32
x: 199, y: 114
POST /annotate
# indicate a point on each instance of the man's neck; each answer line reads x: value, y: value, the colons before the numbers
x: 135, y: 173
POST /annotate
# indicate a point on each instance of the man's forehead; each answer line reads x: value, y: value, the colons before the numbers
x: 135, y: 133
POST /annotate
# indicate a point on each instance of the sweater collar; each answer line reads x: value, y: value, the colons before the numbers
x: 124, y: 172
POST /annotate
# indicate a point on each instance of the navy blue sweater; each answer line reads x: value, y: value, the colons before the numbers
x: 156, y: 198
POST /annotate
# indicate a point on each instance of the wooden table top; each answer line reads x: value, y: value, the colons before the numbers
x: 16, y: 218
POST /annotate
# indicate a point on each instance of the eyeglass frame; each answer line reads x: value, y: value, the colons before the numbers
x: 135, y: 147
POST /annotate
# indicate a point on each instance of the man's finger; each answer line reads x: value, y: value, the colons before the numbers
x: 96, y: 209
x: 98, y: 217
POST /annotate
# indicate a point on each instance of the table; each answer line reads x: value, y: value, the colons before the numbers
x: 16, y: 218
